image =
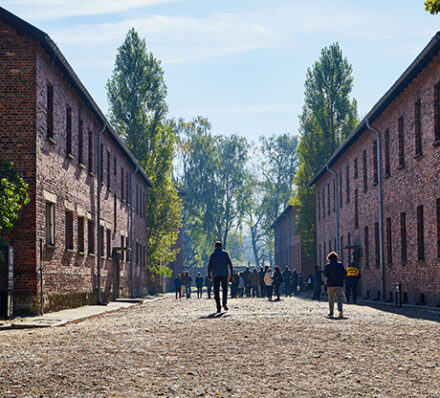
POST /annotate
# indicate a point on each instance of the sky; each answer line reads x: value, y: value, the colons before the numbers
x: 240, y: 63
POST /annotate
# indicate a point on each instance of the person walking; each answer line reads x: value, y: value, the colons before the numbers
x: 262, y: 285
x: 255, y: 282
x: 199, y: 285
x: 241, y: 285
x: 247, y: 282
x: 208, y: 285
x: 335, y: 274
x: 294, y: 282
x: 220, y: 270
x: 178, y: 287
x: 317, y: 284
x: 277, y: 281
x: 186, y: 279
x: 268, y: 282
x: 351, y: 282
x: 287, y: 276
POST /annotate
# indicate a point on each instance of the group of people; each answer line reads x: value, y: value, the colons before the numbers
x: 265, y: 283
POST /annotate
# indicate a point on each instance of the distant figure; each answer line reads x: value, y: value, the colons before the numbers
x: 255, y: 282
x: 317, y: 283
x: 268, y: 282
x: 208, y: 285
x: 351, y: 282
x: 220, y: 270
x: 335, y: 273
x: 287, y: 276
x: 262, y: 285
x: 310, y: 282
x: 294, y: 282
x: 277, y: 280
x: 199, y: 285
x: 186, y: 279
x: 246, y: 274
x: 178, y: 287
x: 241, y: 285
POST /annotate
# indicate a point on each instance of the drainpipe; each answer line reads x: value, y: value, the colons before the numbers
x: 335, y: 178
x: 98, y: 215
x: 379, y: 198
x: 131, y: 232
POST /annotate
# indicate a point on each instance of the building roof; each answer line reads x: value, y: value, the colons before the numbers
x: 428, y: 53
x: 281, y: 216
x: 52, y: 49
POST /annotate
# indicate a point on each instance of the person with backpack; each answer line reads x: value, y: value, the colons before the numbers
x: 335, y: 274
x: 199, y: 285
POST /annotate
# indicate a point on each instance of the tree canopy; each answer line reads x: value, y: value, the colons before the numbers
x: 432, y: 6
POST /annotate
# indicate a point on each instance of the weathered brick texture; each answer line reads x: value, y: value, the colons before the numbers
x: 415, y: 184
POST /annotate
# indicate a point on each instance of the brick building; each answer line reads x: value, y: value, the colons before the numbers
x: 378, y: 196
x: 288, y: 249
x: 87, y: 191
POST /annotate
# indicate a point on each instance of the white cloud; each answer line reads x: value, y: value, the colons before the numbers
x: 45, y: 10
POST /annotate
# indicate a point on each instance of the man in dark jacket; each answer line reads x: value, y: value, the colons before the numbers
x: 287, y: 276
x: 294, y: 282
x: 247, y: 281
x: 199, y: 285
x: 335, y: 273
x: 220, y: 270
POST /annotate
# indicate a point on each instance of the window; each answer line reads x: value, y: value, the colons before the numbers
x: 81, y: 234
x: 387, y: 153
x: 389, y: 242
x: 347, y: 183
x: 50, y: 224
x: 403, y: 247
x: 102, y: 240
x: 122, y: 184
x: 340, y: 190
x: 127, y: 190
x: 127, y: 244
x: 329, y: 245
x: 109, y: 243
x: 355, y: 175
x: 401, y: 142
x: 325, y: 251
x: 90, y: 152
x: 418, y: 127
x: 342, y: 248
x: 328, y: 199
x: 137, y: 253
x: 49, y: 110
x: 122, y: 247
x: 437, y: 112
x: 377, y: 243
x: 101, y: 164
x: 349, y: 248
x: 137, y: 199
x: 115, y: 167
x: 366, y: 247
x: 68, y: 131
x: 438, y: 228
x: 80, y: 142
x: 69, y: 230
x: 356, y: 208
x: 319, y: 207
x: 374, y: 162
x: 319, y: 255
x: 108, y: 169
x: 364, y: 166
x: 420, y: 234
x: 91, y: 236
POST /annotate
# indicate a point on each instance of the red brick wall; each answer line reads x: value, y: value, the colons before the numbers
x: 69, y: 276
x: 416, y: 184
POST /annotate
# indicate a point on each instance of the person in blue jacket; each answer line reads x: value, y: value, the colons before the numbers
x: 178, y: 286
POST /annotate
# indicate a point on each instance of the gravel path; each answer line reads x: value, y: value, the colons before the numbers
x: 258, y: 349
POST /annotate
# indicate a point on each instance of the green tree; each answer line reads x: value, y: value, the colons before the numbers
x: 13, y: 196
x: 432, y: 6
x: 271, y: 191
x: 328, y: 117
x: 136, y: 93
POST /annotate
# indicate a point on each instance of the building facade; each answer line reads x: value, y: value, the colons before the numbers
x: 287, y: 246
x: 85, y: 223
x: 378, y: 196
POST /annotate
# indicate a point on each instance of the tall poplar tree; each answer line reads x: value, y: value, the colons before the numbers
x: 136, y: 93
x: 328, y: 117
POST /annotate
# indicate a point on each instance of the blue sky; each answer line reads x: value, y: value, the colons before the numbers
x: 239, y: 63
